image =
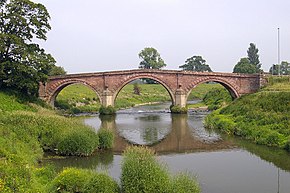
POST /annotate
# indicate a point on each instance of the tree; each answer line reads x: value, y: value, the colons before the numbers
x: 151, y: 59
x: 23, y: 64
x: 284, y: 68
x: 136, y: 89
x: 251, y: 64
x: 56, y: 70
x: 244, y: 66
x: 197, y: 64
x: 253, y: 57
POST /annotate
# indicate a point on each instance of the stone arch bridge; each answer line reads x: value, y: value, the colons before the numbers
x: 178, y: 83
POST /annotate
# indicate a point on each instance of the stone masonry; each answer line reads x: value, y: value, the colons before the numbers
x: 179, y: 84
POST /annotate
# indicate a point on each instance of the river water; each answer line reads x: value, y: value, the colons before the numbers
x: 221, y: 164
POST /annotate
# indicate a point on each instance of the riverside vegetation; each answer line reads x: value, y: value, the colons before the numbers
x: 263, y: 117
x: 28, y: 128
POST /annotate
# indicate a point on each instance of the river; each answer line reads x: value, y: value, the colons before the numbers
x: 221, y: 164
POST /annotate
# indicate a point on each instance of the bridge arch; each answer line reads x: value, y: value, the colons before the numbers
x: 231, y: 87
x: 123, y: 83
x: 61, y: 85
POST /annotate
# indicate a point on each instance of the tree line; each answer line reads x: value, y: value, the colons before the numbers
x: 24, y: 64
x: 151, y: 59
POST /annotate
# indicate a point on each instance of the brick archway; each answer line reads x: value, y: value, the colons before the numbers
x: 229, y: 85
x: 126, y: 81
x: 57, y: 88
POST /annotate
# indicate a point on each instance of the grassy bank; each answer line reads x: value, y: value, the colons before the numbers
x: 79, y: 98
x: 27, y: 130
x: 263, y: 117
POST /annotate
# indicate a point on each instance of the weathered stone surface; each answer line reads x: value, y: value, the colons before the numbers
x: 179, y: 84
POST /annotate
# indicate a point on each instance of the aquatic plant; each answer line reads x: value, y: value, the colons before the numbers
x: 178, y: 110
x: 106, y: 138
x: 142, y: 173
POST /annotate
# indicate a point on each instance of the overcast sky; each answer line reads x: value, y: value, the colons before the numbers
x: 106, y: 35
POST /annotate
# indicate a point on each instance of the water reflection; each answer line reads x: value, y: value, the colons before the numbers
x: 100, y: 160
x: 164, y: 132
x: 222, y: 164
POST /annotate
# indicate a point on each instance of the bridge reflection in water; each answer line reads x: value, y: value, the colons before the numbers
x: 163, y: 132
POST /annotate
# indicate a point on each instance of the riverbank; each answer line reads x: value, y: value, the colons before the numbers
x: 28, y: 128
x: 263, y: 117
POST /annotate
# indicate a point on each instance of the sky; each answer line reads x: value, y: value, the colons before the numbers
x: 107, y: 35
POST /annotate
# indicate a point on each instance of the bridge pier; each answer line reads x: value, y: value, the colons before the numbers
x: 180, y: 98
x: 107, y: 98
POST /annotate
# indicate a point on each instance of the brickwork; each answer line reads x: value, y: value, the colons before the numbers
x: 179, y: 84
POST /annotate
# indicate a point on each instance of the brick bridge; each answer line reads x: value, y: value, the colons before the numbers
x: 179, y: 84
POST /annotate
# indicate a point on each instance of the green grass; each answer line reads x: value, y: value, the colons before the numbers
x: 262, y: 117
x: 26, y: 130
x: 200, y: 90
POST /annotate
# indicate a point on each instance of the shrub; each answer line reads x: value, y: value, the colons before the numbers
x: 184, y: 183
x: 216, y: 98
x: 142, y: 173
x: 178, y: 110
x: 107, y: 110
x: 101, y: 183
x: 287, y: 146
x: 70, y: 180
x: 79, y: 142
x: 106, y: 138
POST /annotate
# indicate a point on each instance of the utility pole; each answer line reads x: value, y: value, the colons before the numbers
x: 279, y: 51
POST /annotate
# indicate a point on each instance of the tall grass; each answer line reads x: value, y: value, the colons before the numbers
x: 261, y: 117
x: 26, y: 130
x: 141, y: 172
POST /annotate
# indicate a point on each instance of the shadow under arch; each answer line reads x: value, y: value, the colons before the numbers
x: 59, y: 88
x: 229, y: 86
x: 124, y: 83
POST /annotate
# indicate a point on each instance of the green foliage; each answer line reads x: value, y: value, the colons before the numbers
x: 101, y: 183
x: 184, y: 183
x: 23, y: 64
x: 197, y: 64
x: 109, y: 110
x: 282, y: 69
x: 244, y: 66
x: 142, y: 173
x: 253, y: 57
x: 151, y: 59
x: 216, y: 98
x: 78, y: 142
x: 77, y: 98
x: 200, y: 90
x: 56, y: 70
x: 178, y: 110
x: 137, y: 89
x: 261, y: 117
x: 71, y: 180
x: 106, y: 138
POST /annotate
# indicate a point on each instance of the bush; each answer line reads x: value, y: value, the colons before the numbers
x: 216, y: 98
x: 287, y: 146
x: 106, y: 138
x: 107, y: 110
x: 79, y: 142
x: 178, y: 110
x: 101, y: 183
x: 184, y: 183
x: 142, y: 173
x: 71, y: 180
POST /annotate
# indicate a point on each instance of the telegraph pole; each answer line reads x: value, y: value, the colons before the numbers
x: 279, y: 51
